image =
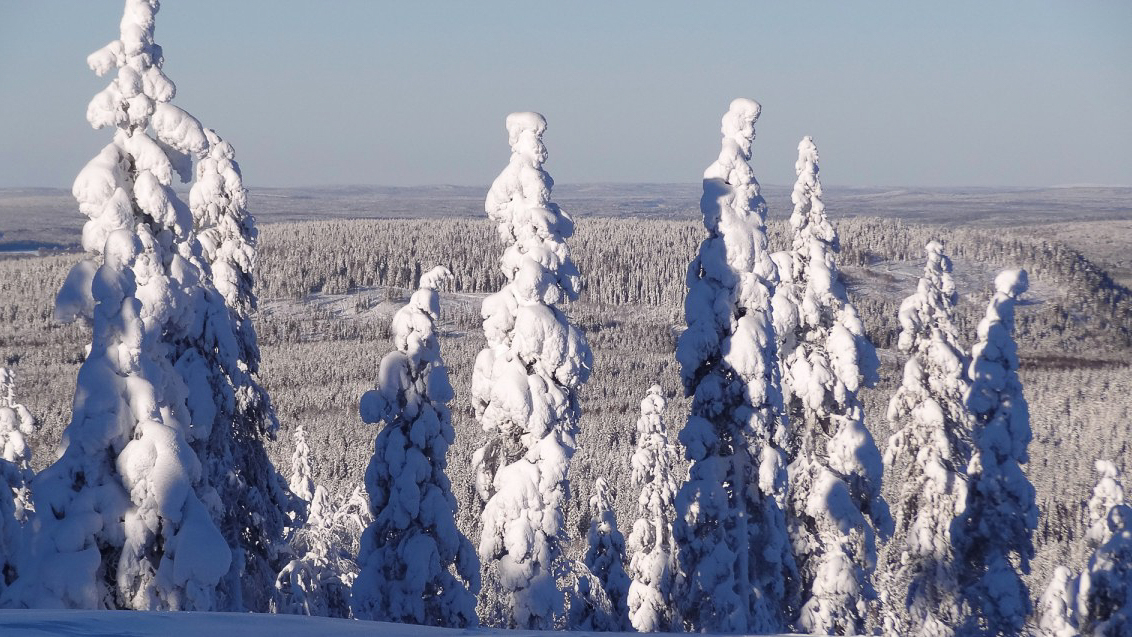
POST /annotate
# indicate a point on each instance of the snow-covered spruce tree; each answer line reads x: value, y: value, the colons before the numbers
x: 316, y: 580
x: 235, y: 460
x: 600, y: 600
x: 929, y: 450
x: 737, y: 573
x: 525, y: 384
x: 652, y: 549
x: 301, y: 482
x: 1066, y: 606
x: 1104, y: 591
x: 126, y: 516
x: 834, y: 505
x: 1057, y: 608
x: 1108, y: 493
x: 994, y: 535
x: 408, y: 553
x: 16, y: 423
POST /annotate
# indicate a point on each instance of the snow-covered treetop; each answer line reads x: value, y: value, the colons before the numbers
x: 136, y: 99
x: 537, y: 261
x: 927, y: 313
x: 414, y: 337
x: 994, y: 362
x: 733, y: 267
x: 1108, y: 493
x: 15, y: 423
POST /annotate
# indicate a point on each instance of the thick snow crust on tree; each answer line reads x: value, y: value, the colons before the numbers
x: 652, y: 547
x: 994, y: 535
x: 414, y: 564
x: 234, y: 457
x: 737, y: 572
x: 1099, y: 601
x: 1108, y: 493
x: 601, y: 597
x: 16, y: 423
x: 834, y: 506
x: 929, y: 451
x: 128, y: 516
x: 525, y: 383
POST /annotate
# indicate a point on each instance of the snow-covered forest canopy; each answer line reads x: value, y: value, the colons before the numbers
x: 742, y: 420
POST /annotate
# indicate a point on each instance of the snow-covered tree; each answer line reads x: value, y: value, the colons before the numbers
x: 1104, y: 591
x: 600, y: 602
x: 316, y: 580
x: 1099, y: 602
x: 652, y: 549
x: 994, y: 535
x: 409, y: 552
x: 834, y: 505
x: 1057, y: 608
x: 737, y: 573
x: 525, y: 384
x: 16, y: 423
x: 929, y: 450
x: 301, y: 482
x: 132, y: 515
x: 1108, y: 493
x: 234, y: 457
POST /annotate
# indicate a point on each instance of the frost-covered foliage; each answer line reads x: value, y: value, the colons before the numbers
x: 301, y: 482
x: 993, y: 536
x: 1057, y: 608
x: 929, y: 451
x: 316, y: 581
x: 1099, y: 602
x: 605, y: 609
x: 128, y: 517
x: 525, y: 383
x: 414, y: 565
x: 834, y: 505
x: 737, y: 571
x: 1108, y: 493
x: 16, y: 423
x: 235, y: 461
x: 652, y: 548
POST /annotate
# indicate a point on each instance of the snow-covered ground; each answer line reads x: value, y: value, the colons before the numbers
x: 28, y: 623
x: 38, y: 623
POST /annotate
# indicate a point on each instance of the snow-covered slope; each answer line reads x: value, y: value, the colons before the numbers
x: 37, y: 623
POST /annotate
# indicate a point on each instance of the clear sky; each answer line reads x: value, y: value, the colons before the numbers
x: 1006, y: 93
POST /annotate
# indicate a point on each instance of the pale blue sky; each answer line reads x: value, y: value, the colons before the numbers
x: 366, y: 92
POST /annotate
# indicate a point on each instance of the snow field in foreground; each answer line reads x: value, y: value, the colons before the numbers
x: 36, y: 623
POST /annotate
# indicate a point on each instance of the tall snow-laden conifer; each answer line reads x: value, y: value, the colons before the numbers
x: 16, y: 423
x: 929, y: 451
x: 235, y: 461
x: 652, y: 548
x: 834, y: 503
x: 737, y: 571
x: 411, y: 549
x: 994, y: 536
x: 128, y: 515
x: 602, y: 593
x: 525, y: 383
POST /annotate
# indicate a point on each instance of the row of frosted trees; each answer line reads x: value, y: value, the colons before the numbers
x: 163, y: 496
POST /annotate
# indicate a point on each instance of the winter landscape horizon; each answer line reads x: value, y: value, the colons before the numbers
x: 703, y: 379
